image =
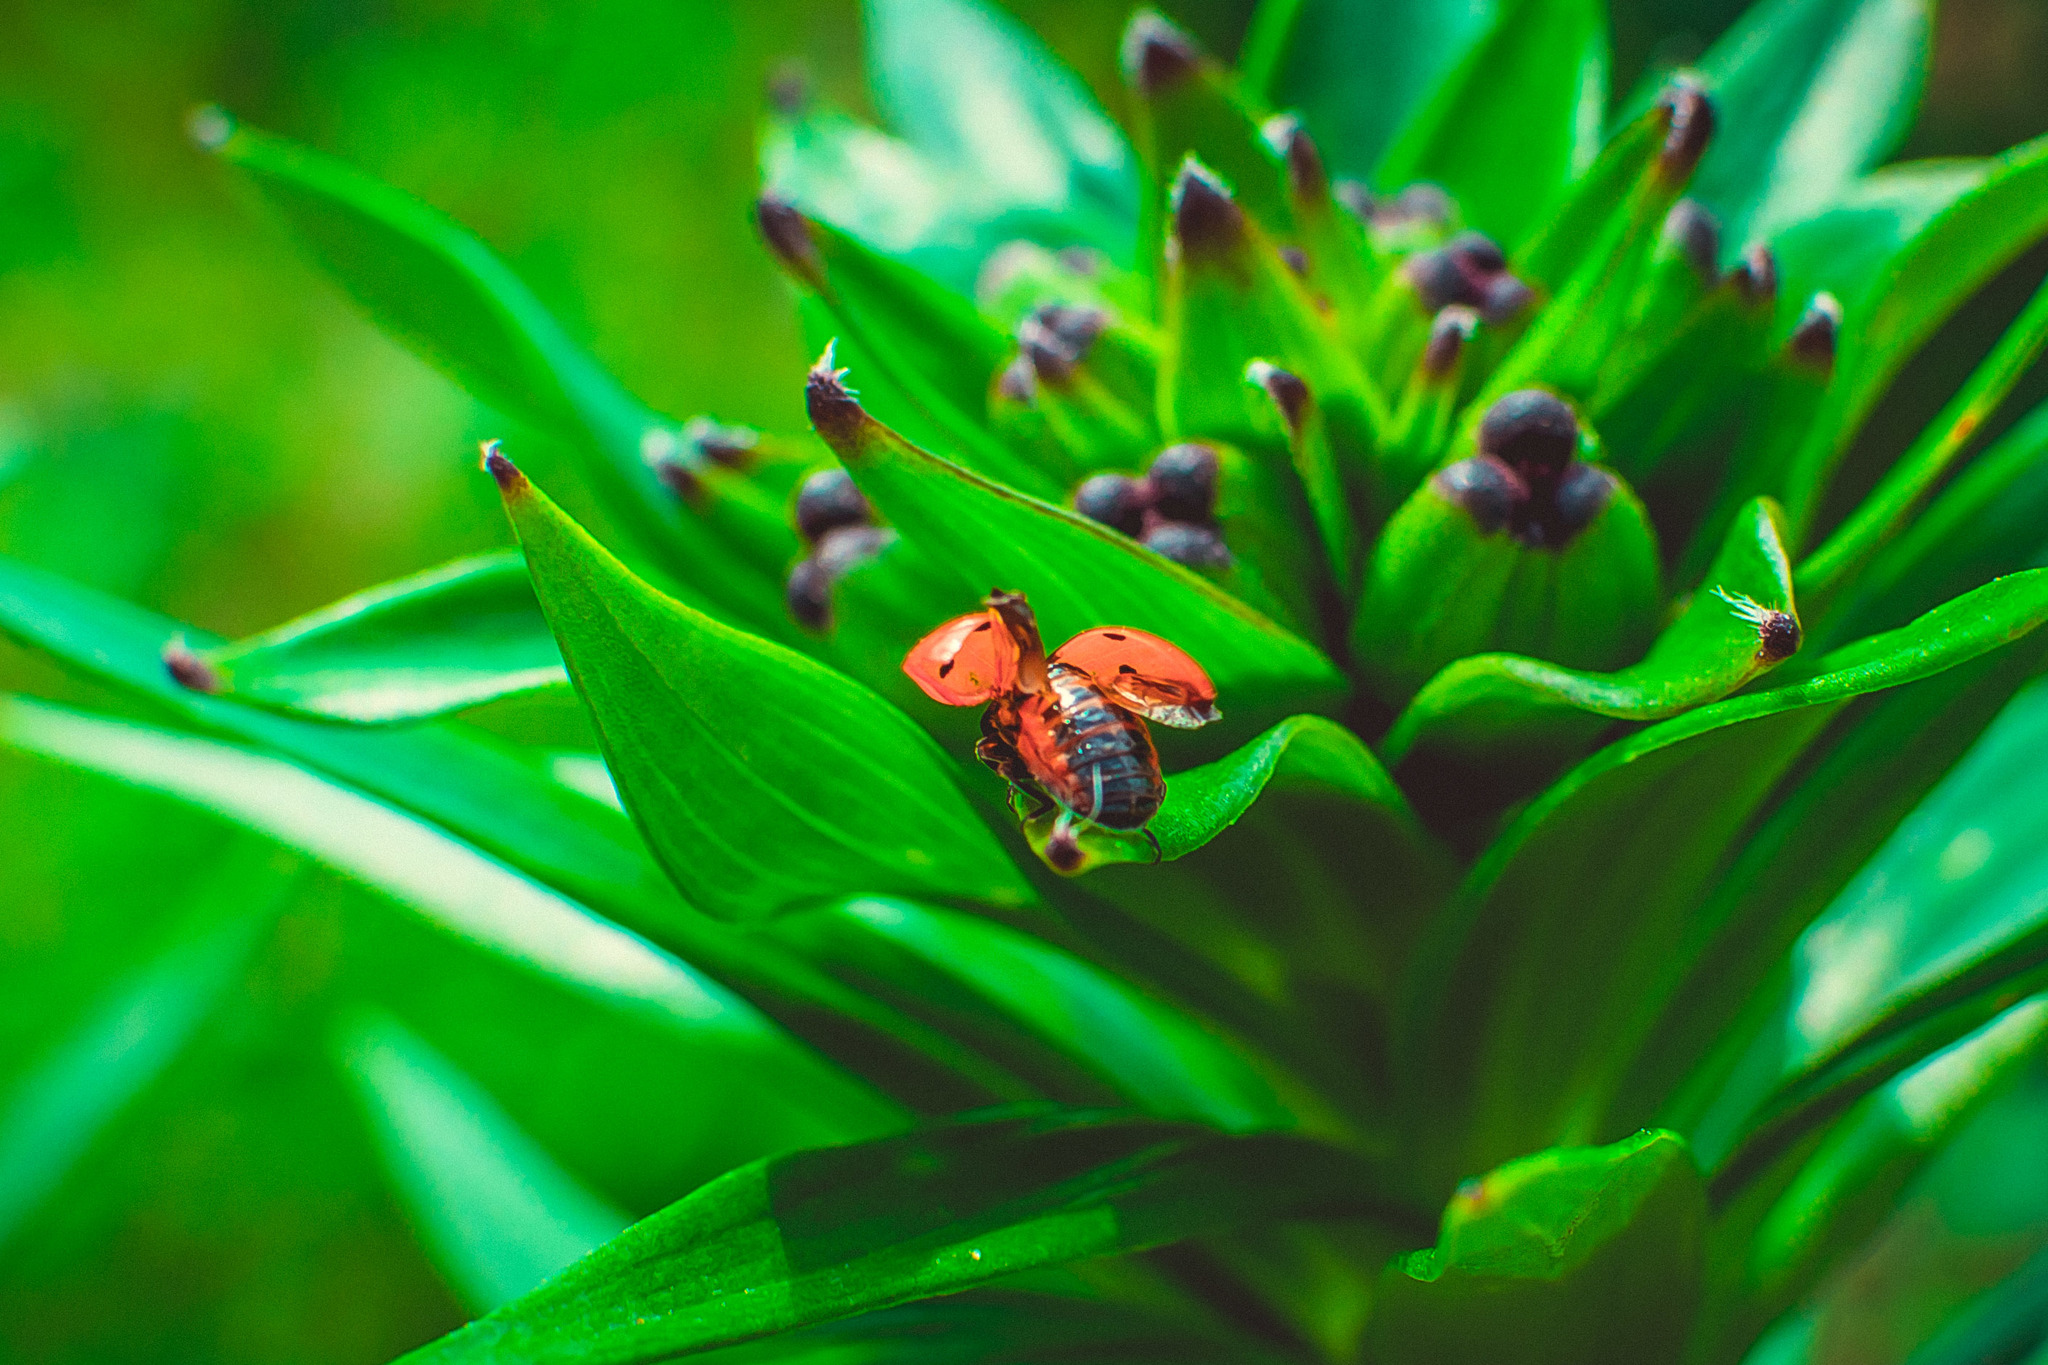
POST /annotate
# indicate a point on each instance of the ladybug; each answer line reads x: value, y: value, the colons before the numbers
x: 1067, y: 731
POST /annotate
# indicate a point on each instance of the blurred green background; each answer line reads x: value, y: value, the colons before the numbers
x: 191, y: 418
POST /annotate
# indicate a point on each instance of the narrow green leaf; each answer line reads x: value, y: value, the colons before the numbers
x: 455, y: 636
x: 498, y: 1212
x: 1570, y: 1255
x: 762, y: 780
x: 980, y: 95
x: 63, y: 1099
x: 1357, y: 72
x: 441, y: 290
x: 1953, y: 256
x: 1740, y: 622
x: 1077, y: 574
x: 1568, y: 916
x: 1516, y: 121
x: 1808, y: 94
x: 818, y: 1235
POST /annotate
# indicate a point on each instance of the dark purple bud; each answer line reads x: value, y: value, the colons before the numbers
x: 788, y: 234
x: 1813, y: 341
x: 1295, y: 259
x: 1755, y: 277
x: 1448, y: 334
x: 1115, y: 500
x: 835, y: 413
x: 1156, y: 55
x: 1778, y: 636
x: 1534, y: 433
x: 828, y: 500
x: 1437, y: 280
x: 1485, y: 488
x: 1290, y: 396
x: 1018, y: 382
x: 1691, y: 127
x: 808, y: 593
x: 1357, y: 200
x: 188, y: 669
x: 732, y: 447
x: 678, y: 476
x: 1206, y: 220
x: 1477, y: 253
x: 1694, y: 233
x: 500, y: 467
x: 848, y: 546
x: 1580, y: 496
x: 1185, y: 542
x: 789, y: 88
x: 1504, y: 298
x: 1056, y: 337
x: 1307, y: 180
x: 1183, y: 481
x: 1082, y: 260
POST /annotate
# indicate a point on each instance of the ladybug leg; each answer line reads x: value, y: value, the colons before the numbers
x: 1157, y: 853
x: 1041, y: 804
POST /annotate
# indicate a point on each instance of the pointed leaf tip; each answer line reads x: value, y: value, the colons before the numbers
x: 835, y: 413
x: 788, y: 234
x: 1157, y: 56
x: 500, y: 467
x: 1206, y: 220
x: 1289, y: 393
x: 1690, y: 115
x: 188, y: 669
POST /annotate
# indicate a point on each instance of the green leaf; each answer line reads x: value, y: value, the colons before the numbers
x: 498, y: 1212
x: 1357, y: 72
x: 818, y: 1235
x: 455, y: 636
x: 981, y: 96
x: 761, y: 779
x: 1495, y: 708
x: 1557, y: 938
x: 64, y: 1099
x: 1077, y: 574
x: 511, y: 808
x: 1570, y: 1255
x: 1846, y: 248
x: 1808, y: 94
x: 440, y: 289
x: 1947, y: 910
x: 1953, y: 256
x: 1516, y: 121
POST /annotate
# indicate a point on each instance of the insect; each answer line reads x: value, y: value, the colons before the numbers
x: 1067, y: 731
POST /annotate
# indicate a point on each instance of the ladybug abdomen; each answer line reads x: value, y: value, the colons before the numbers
x: 1090, y: 754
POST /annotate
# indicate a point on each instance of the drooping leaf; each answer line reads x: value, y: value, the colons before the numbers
x: 1357, y: 72
x: 761, y: 779
x: 1808, y: 94
x: 467, y: 632
x: 498, y: 1212
x: 1573, y: 1254
x: 440, y: 289
x: 1568, y: 916
x: 1516, y: 121
x: 821, y: 1234
x: 1949, y: 259
x: 1077, y: 573
x: 1740, y: 622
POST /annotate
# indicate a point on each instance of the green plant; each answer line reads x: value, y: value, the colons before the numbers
x: 1508, y: 982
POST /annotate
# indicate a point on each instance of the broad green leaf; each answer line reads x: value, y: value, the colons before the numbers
x: 1516, y: 121
x: 1558, y: 936
x: 454, y: 636
x: 761, y: 779
x: 63, y: 1099
x: 446, y: 882
x: 435, y: 285
x: 1808, y: 94
x: 509, y: 807
x: 1077, y: 574
x: 1955, y: 254
x: 498, y: 1212
x: 2005, y: 1322
x: 1570, y: 1255
x: 1948, y: 909
x: 1357, y: 71
x: 821, y: 1234
x: 980, y: 95
x: 1154, y: 1058
x: 1483, y: 708
x: 1846, y: 248
x: 1881, y: 514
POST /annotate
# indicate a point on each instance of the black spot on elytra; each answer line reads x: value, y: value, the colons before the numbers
x: 947, y: 667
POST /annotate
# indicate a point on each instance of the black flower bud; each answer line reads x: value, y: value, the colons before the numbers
x: 1691, y: 127
x: 1206, y: 220
x: 1485, y: 488
x: 1183, y: 542
x: 1504, y: 298
x: 1756, y: 276
x: 1534, y: 433
x: 1156, y: 55
x: 1694, y: 233
x: 1183, y: 482
x: 1448, y: 333
x: 1437, y: 280
x: 1477, y: 253
x: 828, y: 500
x: 1813, y: 341
x: 808, y: 593
x: 1580, y: 496
x: 1115, y: 500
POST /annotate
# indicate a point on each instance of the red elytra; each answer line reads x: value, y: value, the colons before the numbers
x: 1066, y: 729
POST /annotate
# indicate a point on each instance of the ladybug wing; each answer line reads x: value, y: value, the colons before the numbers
x: 1153, y: 678
x: 967, y: 661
